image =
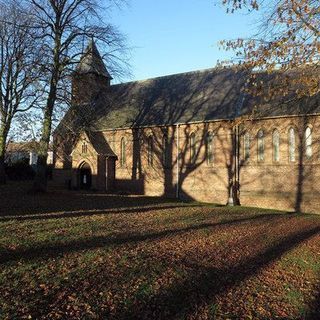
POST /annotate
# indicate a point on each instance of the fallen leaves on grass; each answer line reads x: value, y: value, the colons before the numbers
x: 167, y: 261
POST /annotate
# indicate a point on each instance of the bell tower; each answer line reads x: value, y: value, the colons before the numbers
x: 90, y: 78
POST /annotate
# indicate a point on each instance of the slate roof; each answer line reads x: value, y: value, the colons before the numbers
x: 288, y: 104
x: 181, y: 98
x: 91, y: 62
x: 212, y: 94
x: 100, y: 144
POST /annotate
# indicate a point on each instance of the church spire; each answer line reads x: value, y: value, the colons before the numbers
x: 91, y: 62
x: 91, y: 78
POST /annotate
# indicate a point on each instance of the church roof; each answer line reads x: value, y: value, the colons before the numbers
x: 100, y: 144
x: 181, y: 98
x: 212, y: 94
x: 91, y: 62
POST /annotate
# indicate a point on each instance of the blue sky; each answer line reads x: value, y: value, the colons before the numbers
x: 172, y: 36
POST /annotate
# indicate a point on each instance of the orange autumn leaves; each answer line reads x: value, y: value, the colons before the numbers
x: 285, y: 45
x: 170, y: 260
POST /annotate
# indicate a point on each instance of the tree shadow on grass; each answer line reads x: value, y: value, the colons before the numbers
x: 92, y: 212
x: 185, y: 298
x: 115, y: 211
x: 20, y: 203
x: 45, y: 251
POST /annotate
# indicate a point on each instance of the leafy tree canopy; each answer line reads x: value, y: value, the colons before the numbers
x: 287, y: 40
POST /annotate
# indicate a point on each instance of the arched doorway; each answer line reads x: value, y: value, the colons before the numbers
x: 85, y: 176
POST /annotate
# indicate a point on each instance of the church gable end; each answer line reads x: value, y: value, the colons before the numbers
x: 83, y: 149
x: 93, y: 152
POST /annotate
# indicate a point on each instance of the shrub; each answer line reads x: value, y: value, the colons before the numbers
x: 20, y: 170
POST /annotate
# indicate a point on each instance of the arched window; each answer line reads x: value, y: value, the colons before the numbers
x: 84, y: 147
x: 260, y: 145
x: 165, y: 151
x: 123, y: 152
x: 276, y: 145
x: 193, y: 150
x: 150, y: 150
x: 308, y: 142
x: 210, y: 148
x: 292, y: 145
x: 246, y: 143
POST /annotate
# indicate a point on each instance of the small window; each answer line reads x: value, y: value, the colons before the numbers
x: 260, y: 145
x: 165, y: 151
x: 123, y: 158
x: 246, y: 143
x: 276, y: 145
x: 193, y: 150
x: 84, y: 147
x: 308, y: 142
x: 210, y: 148
x: 150, y: 151
x: 292, y: 145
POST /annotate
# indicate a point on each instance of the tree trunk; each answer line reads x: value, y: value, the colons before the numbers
x: 3, y: 139
x: 2, y: 168
x: 40, y: 181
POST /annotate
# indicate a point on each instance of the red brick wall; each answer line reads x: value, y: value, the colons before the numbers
x: 285, y: 185
x: 282, y: 185
x: 198, y: 180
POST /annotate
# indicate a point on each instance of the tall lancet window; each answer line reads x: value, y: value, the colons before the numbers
x: 276, y: 145
x: 165, y: 151
x: 260, y: 145
x: 246, y: 143
x: 210, y: 147
x: 193, y: 150
x: 123, y: 158
x: 292, y: 145
x: 308, y: 142
x: 150, y: 150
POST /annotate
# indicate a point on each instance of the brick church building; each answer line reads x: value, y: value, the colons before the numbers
x: 195, y: 135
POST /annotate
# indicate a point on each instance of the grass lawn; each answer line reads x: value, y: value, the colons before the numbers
x: 69, y: 255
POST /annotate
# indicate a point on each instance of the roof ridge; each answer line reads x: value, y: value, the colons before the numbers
x: 216, y: 68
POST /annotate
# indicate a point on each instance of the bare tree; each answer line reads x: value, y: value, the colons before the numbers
x: 18, y: 75
x: 65, y: 24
